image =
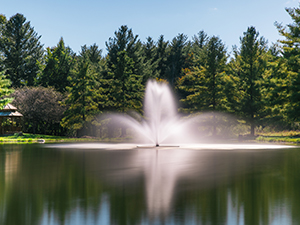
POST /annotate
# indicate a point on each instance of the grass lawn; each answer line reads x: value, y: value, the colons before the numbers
x: 28, y: 138
x: 283, y: 136
x: 35, y: 138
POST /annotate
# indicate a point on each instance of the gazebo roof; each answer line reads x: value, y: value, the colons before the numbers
x: 8, y: 107
x: 9, y: 111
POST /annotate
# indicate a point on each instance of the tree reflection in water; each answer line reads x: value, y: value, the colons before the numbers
x: 148, y: 186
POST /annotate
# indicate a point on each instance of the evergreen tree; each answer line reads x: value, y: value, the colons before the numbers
x: 5, y: 91
x: 93, y: 53
x: 199, y: 40
x: 123, y: 80
x: 195, y: 58
x: 2, y: 24
x: 176, y: 58
x: 291, y: 54
x: 204, y: 84
x: 160, y: 57
x: 55, y: 71
x: 276, y: 91
x: 249, y: 66
x: 21, y: 48
x: 81, y: 103
x: 198, y: 44
x: 150, y: 63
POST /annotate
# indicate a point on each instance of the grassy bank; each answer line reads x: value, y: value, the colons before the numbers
x: 36, y: 138
x: 40, y: 138
x: 29, y: 138
x: 283, y: 136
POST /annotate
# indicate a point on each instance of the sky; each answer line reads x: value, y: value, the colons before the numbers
x: 85, y: 22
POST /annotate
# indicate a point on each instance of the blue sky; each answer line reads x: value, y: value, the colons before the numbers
x: 82, y: 22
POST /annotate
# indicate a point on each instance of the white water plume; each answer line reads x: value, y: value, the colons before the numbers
x: 161, y: 122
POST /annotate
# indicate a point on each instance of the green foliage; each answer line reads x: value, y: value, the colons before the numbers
x: 150, y: 61
x: 176, y: 58
x: 3, y: 21
x: 58, y: 63
x: 291, y: 55
x: 5, y: 91
x: 160, y: 57
x: 21, y: 49
x: 91, y: 53
x: 275, y: 92
x: 248, y: 67
x: 81, y: 101
x: 123, y: 81
x: 203, y: 85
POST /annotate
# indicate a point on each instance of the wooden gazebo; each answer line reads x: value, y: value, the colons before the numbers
x: 10, y: 120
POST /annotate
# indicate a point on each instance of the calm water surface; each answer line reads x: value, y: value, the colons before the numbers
x: 49, y: 185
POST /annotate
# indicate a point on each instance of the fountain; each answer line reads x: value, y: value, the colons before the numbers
x: 161, y: 124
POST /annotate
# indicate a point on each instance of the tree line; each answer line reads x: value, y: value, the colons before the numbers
x: 61, y: 92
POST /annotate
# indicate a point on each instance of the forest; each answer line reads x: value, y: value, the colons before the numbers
x: 60, y: 92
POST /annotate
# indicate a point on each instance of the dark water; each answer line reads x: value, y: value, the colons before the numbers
x: 44, y: 186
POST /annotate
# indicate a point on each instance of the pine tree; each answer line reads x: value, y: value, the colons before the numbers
x: 291, y: 55
x: 21, y: 48
x: 150, y: 63
x: 249, y: 67
x: 276, y: 91
x: 123, y: 80
x: 81, y: 103
x: 93, y: 53
x: 176, y: 58
x: 2, y: 25
x: 58, y: 63
x: 5, y: 91
x: 203, y: 85
x: 204, y: 82
x: 160, y: 57
x: 198, y: 44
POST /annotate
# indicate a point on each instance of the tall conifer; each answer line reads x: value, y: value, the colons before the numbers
x: 123, y: 81
x: 21, y: 48
x: 249, y: 67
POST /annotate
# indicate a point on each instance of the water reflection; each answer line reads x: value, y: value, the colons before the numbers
x: 12, y: 165
x: 148, y: 186
x: 161, y: 173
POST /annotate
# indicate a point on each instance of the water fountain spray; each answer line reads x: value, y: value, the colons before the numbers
x: 161, y: 124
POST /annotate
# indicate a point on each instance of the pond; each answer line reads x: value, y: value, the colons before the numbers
x: 65, y: 184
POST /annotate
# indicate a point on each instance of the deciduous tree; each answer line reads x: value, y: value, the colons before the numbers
x: 41, y: 109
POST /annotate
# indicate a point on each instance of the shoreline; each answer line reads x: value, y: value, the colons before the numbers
x: 289, y: 137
